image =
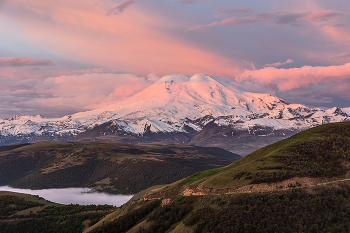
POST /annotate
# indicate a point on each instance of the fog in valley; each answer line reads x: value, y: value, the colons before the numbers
x: 81, y: 196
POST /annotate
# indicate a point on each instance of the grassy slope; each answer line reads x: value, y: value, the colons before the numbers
x: 315, y: 209
x: 260, y: 160
x: 310, y: 209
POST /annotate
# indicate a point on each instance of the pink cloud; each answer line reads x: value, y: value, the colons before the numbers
x: 341, y: 55
x: 89, y: 91
x: 188, y: 2
x: 289, y: 79
x: 237, y: 20
x: 276, y: 18
x: 130, y: 43
x: 279, y: 63
x: 120, y: 8
x: 68, y: 94
x: 19, y: 61
x: 322, y: 15
x: 233, y: 11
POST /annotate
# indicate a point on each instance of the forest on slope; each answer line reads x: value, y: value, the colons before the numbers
x: 32, y: 214
x: 110, y: 167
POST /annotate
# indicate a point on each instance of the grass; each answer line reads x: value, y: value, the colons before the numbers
x: 199, y: 176
x: 263, y: 160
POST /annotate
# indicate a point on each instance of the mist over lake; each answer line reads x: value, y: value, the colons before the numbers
x: 81, y: 196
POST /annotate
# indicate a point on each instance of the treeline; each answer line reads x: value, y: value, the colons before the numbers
x: 289, y: 212
x: 127, y: 221
x: 127, y: 177
x: 63, y: 224
x: 9, y: 205
x: 72, y: 209
x: 64, y: 218
x: 164, y: 217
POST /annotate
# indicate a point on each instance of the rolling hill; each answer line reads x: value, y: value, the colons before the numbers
x: 310, y: 157
x: 110, y: 167
x: 300, y: 184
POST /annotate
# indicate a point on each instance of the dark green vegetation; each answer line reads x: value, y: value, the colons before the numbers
x: 112, y: 167
x: 9, y: 205
x: 27, y: 213
x: 323, y: 151
x: 315, y: 209
x: 292, y: 211
x: 127, y: 221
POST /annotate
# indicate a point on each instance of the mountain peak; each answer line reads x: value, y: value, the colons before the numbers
x: 197, y: 78
x: 182, y: 78
x: 180, y: 104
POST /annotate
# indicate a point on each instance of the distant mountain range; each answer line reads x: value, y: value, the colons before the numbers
x: 199, y: 110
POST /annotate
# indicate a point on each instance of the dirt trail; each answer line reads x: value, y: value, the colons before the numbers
x: 295, y: 182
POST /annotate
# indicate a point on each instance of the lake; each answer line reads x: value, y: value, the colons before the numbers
x: 81, y: 196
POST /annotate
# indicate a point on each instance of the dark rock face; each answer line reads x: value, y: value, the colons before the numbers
x: 238, y: 141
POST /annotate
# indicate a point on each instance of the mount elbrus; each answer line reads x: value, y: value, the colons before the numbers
x: 198, y: 110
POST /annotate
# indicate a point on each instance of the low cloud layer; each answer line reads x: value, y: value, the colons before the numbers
x: 288, y: 79
x: 277, y: 18
x: 307, y: 84
x: 19, y: 61
x: 277, y: 64
x: 58, y: 96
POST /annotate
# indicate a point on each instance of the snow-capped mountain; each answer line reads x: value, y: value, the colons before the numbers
x: 176, y: 108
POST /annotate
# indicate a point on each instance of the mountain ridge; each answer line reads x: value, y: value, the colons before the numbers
x: 177, y: 108
x: 109, y: 167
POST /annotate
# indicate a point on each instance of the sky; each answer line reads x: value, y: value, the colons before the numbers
x: 62, y: 57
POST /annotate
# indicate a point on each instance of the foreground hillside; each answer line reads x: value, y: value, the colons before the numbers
x: 300, y: 184
x: 32, y: 214
x: 310, y: 157
x: 318, y: 209
x: 110, y: 167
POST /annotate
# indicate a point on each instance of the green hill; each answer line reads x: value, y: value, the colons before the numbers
x: 300, y: 184
x: 318, y: 209
x: 315, y: 155
x: 111, y: 167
